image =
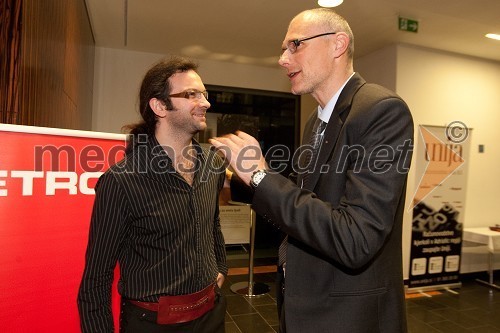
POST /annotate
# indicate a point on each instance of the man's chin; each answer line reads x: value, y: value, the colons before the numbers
x: 300, y: 90
x: 296, y: 90
x: 200, y: 128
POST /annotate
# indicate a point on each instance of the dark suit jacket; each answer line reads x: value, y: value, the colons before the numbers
x: 344, y: 258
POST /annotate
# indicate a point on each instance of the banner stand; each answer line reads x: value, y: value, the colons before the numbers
x: 423, y: 289
x: 438, y: 208
x: 250, y: 288
x: 47, y: 180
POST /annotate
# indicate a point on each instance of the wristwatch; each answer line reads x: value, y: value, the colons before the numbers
x: 257, y: 178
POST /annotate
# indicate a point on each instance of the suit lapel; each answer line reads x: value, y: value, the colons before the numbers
x: 334, y: 127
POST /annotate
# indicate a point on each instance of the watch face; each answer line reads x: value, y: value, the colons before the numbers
x: 257, y: 177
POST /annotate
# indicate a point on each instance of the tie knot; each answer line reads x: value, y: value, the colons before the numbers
x: 319, y: 126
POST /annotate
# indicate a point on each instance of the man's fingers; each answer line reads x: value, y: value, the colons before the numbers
x: 234, y: 139
x: 215, y: 142
x: 246, y: 137
x: 241, y: 150
x: 225, y: 141
x: 240, y: 139
x: 227, y: 147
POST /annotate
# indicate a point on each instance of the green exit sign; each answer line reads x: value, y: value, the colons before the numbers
x: 408, y: 25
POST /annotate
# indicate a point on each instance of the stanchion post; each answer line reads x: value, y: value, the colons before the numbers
x: 250, y: 288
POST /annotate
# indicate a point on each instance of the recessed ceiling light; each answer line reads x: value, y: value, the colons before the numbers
x: 493, y: 36
x: 329, y: 3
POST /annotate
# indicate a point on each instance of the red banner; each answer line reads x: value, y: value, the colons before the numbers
x: 47, y: 179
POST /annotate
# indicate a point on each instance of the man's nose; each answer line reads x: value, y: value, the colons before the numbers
x: 283, y: 60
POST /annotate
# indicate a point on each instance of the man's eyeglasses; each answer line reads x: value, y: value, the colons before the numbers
x: 294, y: 44
x: 191, y: 94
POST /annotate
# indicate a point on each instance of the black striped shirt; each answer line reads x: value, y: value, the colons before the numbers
x: 164, y: 234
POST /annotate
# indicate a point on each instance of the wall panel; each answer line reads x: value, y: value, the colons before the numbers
x: 56, y: 67
x: 10, y: 37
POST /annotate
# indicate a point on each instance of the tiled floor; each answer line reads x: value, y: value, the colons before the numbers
x: 251, y: 314
x: 472, y: 308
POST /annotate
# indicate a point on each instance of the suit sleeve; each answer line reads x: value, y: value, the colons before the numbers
x: 107, y: 229
x: 352, y: 229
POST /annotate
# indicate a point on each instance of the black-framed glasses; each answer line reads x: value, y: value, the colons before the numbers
x: 294, y: 44
x: 191, y: 94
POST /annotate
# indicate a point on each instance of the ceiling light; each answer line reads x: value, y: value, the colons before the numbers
x: 493, y: 36
x: 329, y: 3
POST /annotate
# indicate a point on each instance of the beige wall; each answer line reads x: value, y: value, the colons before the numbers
x: 440, y: 88
x: 379, y: 67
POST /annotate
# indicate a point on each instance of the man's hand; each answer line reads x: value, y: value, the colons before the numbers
x: 220, y: 279
x: 243, y: 153
x: 227, y: 180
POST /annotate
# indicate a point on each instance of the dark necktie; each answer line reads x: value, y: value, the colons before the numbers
x: 315, y: 144
x: 309, y: 162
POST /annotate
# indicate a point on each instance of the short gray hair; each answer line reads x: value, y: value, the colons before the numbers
x: 334, y: 22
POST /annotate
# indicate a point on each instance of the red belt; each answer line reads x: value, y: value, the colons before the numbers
x: 181, y: 308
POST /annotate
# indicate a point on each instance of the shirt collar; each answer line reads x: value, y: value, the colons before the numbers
x: 158, y: 149
x: 326, y: 113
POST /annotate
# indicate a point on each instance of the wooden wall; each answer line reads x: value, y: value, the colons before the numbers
x: 10, y: 37
x: 56, y: 67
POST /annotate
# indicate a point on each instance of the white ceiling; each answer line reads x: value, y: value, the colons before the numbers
x: 252, y: 31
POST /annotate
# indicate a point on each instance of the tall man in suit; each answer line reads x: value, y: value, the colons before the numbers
x: 343, y: 214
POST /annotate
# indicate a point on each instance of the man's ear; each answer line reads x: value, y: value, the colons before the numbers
x: 158, y: 107
x: 341, y: 43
